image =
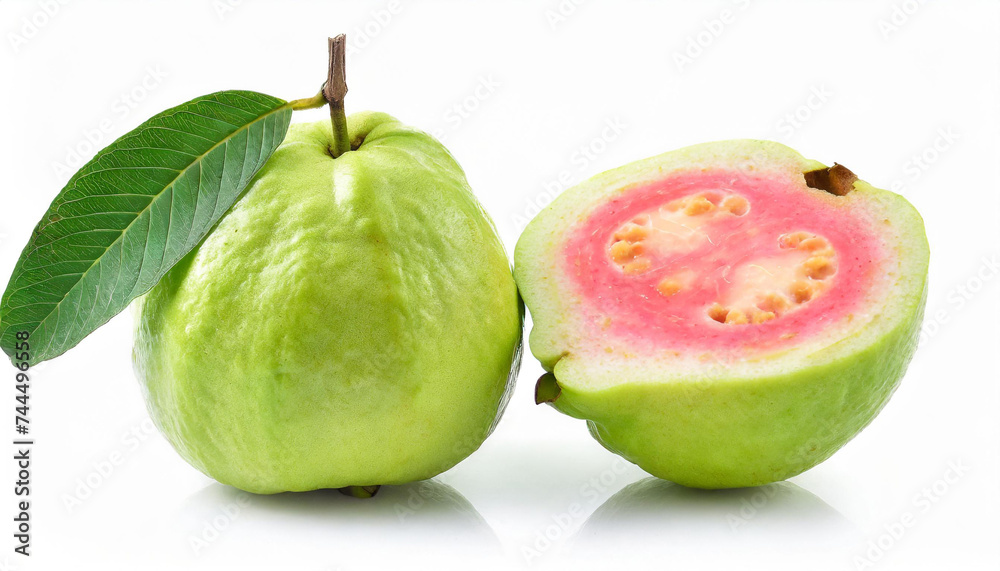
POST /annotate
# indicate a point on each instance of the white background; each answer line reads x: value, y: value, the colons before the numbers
x: 903, y: 93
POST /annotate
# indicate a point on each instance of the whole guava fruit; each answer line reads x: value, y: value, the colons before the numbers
x: 349, y: 323
x: 725, y: 315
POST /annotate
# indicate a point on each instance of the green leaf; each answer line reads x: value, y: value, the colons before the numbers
x: 132, y: 212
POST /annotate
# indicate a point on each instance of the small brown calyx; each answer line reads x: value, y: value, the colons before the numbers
x: 837, y: 180
x: 362, y: 492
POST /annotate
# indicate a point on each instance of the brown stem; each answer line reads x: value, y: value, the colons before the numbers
x: 334, y: 91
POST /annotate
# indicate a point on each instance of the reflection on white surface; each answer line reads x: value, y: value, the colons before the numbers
x: 332, y: 531
x: 656, y: 520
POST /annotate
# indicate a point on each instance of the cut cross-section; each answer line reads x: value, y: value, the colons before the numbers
x: 723, y: 315
x: 693, y: 256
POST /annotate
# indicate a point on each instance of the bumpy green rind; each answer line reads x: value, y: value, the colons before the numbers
x: 717, y: 428
x: 721, y: 434
x: 350, y: 322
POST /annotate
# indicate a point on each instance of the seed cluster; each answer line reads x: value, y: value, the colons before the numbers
x: 630, y: 250
x: 811, y: 279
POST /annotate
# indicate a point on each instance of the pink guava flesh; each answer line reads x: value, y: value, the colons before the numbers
x: 722, y: 260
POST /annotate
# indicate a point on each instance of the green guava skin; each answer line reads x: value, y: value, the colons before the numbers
x: 716, y: 428
x: 723, y: 433
x: 349, y: 322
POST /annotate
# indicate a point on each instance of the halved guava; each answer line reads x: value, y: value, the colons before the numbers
x: 725, y: 315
